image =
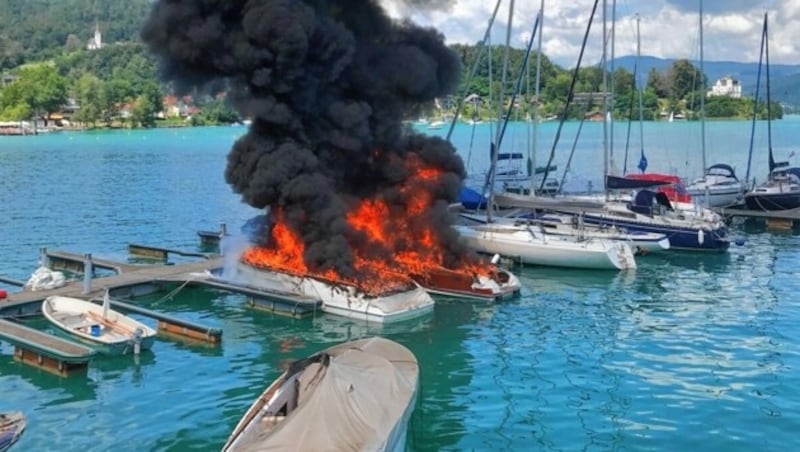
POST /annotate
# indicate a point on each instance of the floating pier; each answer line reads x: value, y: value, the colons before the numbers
x: 44, y: 350
x: 776, y: 220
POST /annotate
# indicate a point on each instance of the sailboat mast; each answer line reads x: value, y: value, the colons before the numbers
x: 769, y: 100
x: 755, y: 103
x: 612, y: 164
x: 535, y: 139
x: 638, y: 87
x: 605, y: 100
x: 494, y: 149
x: 702, y: 96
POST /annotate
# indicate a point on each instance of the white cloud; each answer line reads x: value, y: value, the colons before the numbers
x: 669, y: 28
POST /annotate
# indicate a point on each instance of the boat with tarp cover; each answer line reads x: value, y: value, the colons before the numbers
x: 356, y: 396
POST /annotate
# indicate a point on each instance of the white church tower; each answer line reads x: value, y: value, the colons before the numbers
x: 97, y: 41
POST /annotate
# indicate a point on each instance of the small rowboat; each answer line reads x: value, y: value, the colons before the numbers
x: 108, y: 330
x: 12, y: 424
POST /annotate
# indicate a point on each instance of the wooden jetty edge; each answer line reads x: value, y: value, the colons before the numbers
x: 44, y: 350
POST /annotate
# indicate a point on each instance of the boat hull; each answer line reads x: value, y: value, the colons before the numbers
x: 680, y: 237
x: 772, y: 201
x: 12, y: 425
x: 520, y: 245
x: 341, y: 299
x: 111, y: 333
x: 373, y: 414
x: 717, y: 197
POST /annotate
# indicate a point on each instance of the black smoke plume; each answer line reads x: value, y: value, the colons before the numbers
x: 327, y: 84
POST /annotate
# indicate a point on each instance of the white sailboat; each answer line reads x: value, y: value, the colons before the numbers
x: 527, y: 243
x: 573, y: 225
x: 719, y: 186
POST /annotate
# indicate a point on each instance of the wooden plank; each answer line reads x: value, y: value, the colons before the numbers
x: 174, y: 325
x: 779, y: 224
x: 208, y: 335
x: 45, y: 351
x: 159, y: 252
x: 147, y: 251
x: 43, y: 343
x: 50, y: 364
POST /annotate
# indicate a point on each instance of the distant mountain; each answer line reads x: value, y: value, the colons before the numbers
x: 785, y: 83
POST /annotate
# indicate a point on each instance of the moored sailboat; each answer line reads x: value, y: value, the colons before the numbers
x: 781, y: 191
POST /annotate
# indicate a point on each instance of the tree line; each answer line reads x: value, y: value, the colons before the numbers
x: 677, y: 89
x: 46, y: 66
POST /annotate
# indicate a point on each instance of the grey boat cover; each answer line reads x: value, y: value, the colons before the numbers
x: 356, y: 403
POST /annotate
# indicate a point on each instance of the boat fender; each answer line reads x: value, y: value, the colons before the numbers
x: 3, y: 294
x: 739, y: 241
x: 701, y: 236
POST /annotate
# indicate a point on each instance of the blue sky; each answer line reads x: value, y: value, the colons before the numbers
x: 668, y: 28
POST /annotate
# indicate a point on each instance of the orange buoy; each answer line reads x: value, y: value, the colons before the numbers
x: 3, y: 294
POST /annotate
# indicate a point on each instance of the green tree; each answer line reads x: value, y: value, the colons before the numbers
x: 148, y: 105
x: 40, y: 88
x: 659, y: 84
x: 92, y: 96
x: 73, y: 44
x: 685, y: 78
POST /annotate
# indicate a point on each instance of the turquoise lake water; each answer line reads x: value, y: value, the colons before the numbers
x: 688, y: 352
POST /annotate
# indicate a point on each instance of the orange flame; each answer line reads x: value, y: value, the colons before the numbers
x: 401, y: 242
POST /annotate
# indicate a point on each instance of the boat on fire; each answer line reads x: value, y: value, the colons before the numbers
x: 358, y: 395
x: 396, y: 303
x: 495, y: 285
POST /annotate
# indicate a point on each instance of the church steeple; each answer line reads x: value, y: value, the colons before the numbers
x: 97, y: 41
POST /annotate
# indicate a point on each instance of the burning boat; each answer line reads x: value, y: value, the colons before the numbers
x: 393, y: 303
x: 357, y: 201
x: 494, y: 286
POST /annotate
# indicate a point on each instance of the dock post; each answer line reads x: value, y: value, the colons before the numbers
x: 87, y: 273
x: 223, y: 231
x: 43, y: 260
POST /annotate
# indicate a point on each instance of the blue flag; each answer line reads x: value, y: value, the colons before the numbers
x: 642, y: 163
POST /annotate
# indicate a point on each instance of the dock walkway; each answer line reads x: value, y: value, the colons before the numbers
x: 128, y: 281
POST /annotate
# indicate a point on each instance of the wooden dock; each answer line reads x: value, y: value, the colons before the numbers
x: 44, y: 350
x: 780, y: 220
x: 127, y: 281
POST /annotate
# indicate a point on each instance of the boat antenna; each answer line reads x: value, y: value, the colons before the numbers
x: 570, y: 93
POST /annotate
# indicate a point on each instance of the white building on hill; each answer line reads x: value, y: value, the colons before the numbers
x: 96, y: 42
x: 726, y: 86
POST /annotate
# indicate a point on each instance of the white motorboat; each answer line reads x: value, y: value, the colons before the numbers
x: 396, y: 304
x: 99, y: 326
x: 356, y: 396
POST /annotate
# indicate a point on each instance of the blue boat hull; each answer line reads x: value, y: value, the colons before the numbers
x: 688, y: 239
